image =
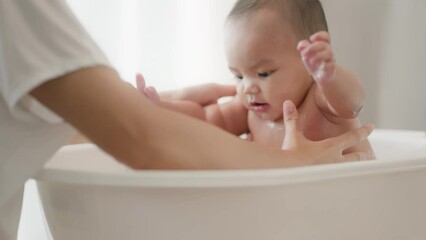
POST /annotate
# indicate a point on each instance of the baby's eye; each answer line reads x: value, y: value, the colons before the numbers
x: 239, y: 77
x: 264, y: 74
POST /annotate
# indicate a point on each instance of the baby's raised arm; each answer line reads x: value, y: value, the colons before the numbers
x: 339, y: 90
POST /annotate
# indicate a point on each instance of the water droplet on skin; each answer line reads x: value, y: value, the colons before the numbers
x: 319, y: 73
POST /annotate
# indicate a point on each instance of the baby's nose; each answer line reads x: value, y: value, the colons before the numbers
x: 250, y: 87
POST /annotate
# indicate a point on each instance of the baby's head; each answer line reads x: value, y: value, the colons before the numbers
x: 261, y: 40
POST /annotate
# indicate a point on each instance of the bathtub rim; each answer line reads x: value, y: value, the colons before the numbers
x: 232, y: 178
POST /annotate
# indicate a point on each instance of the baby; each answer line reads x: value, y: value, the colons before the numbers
x: 280, y: 50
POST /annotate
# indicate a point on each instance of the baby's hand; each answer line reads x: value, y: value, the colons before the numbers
x: 149, y: 92
x: 318, y: 57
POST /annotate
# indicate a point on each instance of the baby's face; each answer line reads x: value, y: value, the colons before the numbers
x: 262, y: 55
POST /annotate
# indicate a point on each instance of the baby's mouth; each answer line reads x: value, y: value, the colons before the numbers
x: 259, y: 107
x: 256, y: 104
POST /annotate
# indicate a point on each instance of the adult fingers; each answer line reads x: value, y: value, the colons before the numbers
x: 152, y: 94
x: 223, y: 91
x: 354, y: 136
x: 357, y: 156
x: 290, y: 124
x: 140, y: 82
x: 290, y: 114
x: 208, y: 93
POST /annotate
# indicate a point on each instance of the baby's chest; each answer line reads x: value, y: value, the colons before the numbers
x: 312, y: 123
x: 266, y: 132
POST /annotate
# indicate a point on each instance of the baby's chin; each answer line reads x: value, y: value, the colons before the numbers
x: 276, y: 119
x: 274, y: 114
x: 270, y: 117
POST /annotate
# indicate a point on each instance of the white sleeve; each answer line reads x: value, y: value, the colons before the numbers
x: 40, y: 40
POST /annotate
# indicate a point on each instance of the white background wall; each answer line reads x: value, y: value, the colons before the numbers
x: 177, y: 43
x: 384, y: 42
x: 174, y: 43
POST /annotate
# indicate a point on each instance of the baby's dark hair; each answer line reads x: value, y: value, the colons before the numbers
x: 305, y: 17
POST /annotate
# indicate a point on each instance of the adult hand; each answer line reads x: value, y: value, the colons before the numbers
x: 149, y: 92
x: 203, y: 94
x: 326, y: 151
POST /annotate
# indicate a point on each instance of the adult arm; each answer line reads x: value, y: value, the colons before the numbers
x: 189, y: 100
x: 203, y: 94
x: 201, y: 102
x: 230, y: 116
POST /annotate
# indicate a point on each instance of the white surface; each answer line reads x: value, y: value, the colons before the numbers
x: 32, y: 225
x: 380, y: 199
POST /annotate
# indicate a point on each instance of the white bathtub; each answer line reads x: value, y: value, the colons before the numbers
x: 87, y: 195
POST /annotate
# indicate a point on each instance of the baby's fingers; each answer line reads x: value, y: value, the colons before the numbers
x: 322, y: 36
x: 323, y: 56
x: 302, y: 45
x: 313, y: 49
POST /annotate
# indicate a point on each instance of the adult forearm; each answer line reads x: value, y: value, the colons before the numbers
x: 186, y: 107
x: 203, y: 94
x: 125, y: 124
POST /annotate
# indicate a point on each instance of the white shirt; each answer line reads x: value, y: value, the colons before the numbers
x: 39, y: 41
